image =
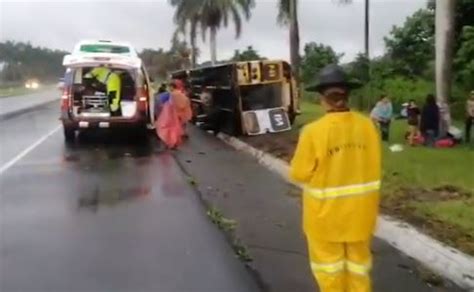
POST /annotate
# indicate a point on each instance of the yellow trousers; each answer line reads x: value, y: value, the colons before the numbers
x: 341, y: 266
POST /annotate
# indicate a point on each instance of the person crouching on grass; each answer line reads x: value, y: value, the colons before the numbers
x: 413, y: 120
x: 338, y: 163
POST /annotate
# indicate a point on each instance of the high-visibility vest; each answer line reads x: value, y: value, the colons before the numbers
x: 112, y: 82
x: 338, y: 163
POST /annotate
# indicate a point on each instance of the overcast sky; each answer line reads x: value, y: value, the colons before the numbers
x: 149, y: 24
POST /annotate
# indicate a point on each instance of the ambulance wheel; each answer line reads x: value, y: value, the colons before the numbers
x: 69, y: 134
x: 142, y: 134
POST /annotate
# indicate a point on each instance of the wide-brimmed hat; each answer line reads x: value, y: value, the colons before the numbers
x: 332, y: 75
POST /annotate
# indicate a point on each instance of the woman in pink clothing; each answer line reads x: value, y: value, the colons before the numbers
x: 174, y: 114
x: 181, y: 103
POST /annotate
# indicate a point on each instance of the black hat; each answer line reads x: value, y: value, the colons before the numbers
x: 332, y: 75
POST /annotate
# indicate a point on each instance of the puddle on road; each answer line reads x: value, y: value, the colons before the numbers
x: 111, y: 197
x: 110, y: 146
x: 71, y: 158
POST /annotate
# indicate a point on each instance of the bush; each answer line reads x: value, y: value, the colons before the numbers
x: 401, y: 90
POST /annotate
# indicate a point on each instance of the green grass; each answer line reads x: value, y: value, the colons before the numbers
x: 423, y: 168
x: 428, y: 167
x: 417, y: 166
x: 310, y: 111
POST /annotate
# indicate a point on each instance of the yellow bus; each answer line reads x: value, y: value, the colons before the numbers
x: 243, y: 98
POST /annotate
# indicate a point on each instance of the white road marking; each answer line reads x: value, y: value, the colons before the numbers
x: 25, y: 152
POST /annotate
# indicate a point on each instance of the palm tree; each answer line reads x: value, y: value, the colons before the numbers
x: 445, y: 12
x: 366, y: 45
x: 182, y: 19
x: 212, y: 15
x: 288, y: 16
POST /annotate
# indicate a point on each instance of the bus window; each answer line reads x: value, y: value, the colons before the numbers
x: 261, y: 96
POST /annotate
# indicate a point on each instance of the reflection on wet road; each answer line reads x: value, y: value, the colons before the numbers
x: 104, y: 215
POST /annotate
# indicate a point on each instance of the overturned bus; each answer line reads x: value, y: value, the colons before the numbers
x: 244, y: 98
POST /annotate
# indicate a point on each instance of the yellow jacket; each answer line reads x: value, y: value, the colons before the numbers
x: 112, y: 81
x: 338, y: 162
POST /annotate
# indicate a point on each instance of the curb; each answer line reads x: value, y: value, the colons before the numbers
x: 31, y: 108
x: 446, y: 261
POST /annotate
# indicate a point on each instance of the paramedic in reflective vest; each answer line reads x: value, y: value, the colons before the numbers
x: 112, y: 82
x: 338, y: 163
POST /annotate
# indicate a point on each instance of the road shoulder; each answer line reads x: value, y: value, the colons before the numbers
x: 16, y: 105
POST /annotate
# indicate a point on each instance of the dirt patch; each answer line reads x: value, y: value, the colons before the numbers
x: 448, y: 233
x: 441, y: 193
x: 400, y: 204
x: 281, y: 145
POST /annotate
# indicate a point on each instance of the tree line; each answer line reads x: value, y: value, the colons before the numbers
x: 406, y: 70
x: 21, y: 61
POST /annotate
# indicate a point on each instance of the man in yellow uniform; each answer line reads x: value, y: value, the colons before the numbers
x: 338, y: 161
x: 112, y: 82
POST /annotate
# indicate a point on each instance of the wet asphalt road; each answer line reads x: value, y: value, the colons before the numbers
x: 103, y: 215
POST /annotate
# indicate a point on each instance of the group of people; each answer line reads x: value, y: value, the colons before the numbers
x: 423, y: 124
x: 172, y: 113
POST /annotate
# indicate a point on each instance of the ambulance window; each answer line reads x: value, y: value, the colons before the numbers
x: 68, y: 77
x: 102, y: 48
x: 140, y: 79
x: 144, y: 80
x: 77, y: 76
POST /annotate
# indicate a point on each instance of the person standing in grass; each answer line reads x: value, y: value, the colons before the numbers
x: 382, y: 114
x: 430, y: 121
x: 469, y: 116
x: 338, y: 163
x: 413, y: 119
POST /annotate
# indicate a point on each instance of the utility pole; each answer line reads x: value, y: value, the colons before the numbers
x: 367, y: 32
x: 444, y: 24
x: 367, y: 55
x: 295, y: 46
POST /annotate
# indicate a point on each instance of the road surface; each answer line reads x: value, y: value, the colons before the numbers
x: 100, y: 216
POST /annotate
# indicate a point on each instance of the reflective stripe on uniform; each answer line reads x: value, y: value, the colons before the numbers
x: 359, y: 269
x: 328, y: 268
x: 350, y: 190
x: 106, y: 79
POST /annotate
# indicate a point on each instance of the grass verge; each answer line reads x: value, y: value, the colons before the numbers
x: 430, y: 188
x: 20, y: 90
